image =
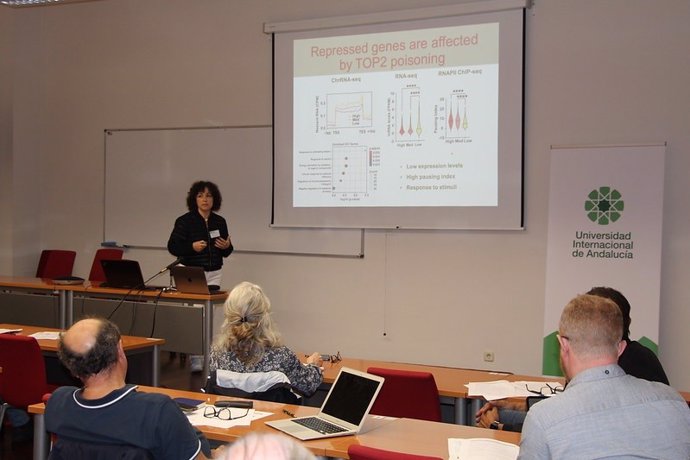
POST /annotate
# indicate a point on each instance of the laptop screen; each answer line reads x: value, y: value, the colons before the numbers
x: 350, y: 397
x: 122, y: 273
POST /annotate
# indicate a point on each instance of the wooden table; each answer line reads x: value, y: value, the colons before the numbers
x: 93, y: 290
x: 27, y: 285
x: 139, y: 350
x: 450, y: 381
x: 66, y: 292
x: 419, y: 437
x: 402, y: 435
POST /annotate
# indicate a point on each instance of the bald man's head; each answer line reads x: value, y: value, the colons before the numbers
x: 89, y: 347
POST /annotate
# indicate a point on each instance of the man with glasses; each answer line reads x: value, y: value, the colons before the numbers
x: 636, y: 360
x: 108, y: 413
x: 603, y: 412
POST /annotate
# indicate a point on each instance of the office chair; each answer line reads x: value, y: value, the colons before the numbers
x: 22, y: 371
x: 245, y: 385
x: 96, y: 273
x: 55, y: 263
x: 358, y: 452
x: 407, y: 394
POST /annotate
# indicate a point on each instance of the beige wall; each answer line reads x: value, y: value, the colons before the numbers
x: 596, y: 73
x: 6, y: 54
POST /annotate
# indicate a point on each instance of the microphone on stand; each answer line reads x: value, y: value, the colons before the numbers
x: 170, y: 265
x: 171, y: 287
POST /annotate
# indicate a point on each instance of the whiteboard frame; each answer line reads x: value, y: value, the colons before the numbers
x: 303, y: 237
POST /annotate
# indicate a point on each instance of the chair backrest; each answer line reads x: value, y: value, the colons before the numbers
x: 407, y: 394
x: 66, y: 449
x: 358, y: 452
x: 23, y: 371
x: 96, y: 273
x: 280, y: 392
x: 55, y: 263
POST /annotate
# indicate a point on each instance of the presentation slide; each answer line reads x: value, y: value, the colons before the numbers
x: 402, y: 124
x: 397, y: 119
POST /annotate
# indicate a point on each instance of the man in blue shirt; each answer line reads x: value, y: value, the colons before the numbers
x: 636, y: 360
x: 106, y: 411
x: 603, y: 412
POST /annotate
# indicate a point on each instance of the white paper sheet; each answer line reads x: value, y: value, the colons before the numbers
x: 481, y: 449
x: 499, y: 389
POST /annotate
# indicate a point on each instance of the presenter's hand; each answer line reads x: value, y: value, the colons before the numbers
x: 315, y: 359
x: 220, y: 243
x: 199, y: 245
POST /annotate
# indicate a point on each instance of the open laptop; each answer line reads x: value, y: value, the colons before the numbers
x: 343, y: 412
x: 190, y: 280
x: 124, y: 274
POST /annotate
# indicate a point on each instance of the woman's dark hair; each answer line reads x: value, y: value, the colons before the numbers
x: 101, y: 356
x: 200, y: 186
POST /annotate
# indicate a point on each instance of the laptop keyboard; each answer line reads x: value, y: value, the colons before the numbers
x: 320, y: 425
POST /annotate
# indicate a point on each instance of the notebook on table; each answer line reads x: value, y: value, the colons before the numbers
x: 190, y: 280
x: 343, y: 412
x: 124, y: 274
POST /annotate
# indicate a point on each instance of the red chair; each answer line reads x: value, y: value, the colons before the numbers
x: 22, y: 371
x: 408, y: 394
x: 357, y: 452
x: 55, y: 263
x: 96, y: 273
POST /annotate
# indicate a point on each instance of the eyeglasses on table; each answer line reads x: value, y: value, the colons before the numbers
x: 222, y: 413
x: 546, y: 390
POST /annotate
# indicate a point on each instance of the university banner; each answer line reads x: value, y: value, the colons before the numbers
x: 605, y: 222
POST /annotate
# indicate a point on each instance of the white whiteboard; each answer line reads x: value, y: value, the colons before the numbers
x: 148, y: 174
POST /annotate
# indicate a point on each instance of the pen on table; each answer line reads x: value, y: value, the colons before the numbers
x: 285, y: 411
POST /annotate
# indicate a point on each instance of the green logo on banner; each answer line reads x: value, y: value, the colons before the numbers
x: 604, y: 205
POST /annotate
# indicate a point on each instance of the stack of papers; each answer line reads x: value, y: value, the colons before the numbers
x: 481, y: 449
x: 9, y: 331
x: 500, y: 389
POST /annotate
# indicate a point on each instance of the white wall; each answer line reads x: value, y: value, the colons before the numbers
x: 596, y: 73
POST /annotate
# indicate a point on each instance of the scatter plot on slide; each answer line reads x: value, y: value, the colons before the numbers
x: 349, y: 169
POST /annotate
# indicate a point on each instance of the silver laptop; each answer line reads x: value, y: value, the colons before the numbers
x: 190, y: 280
x: 342, y: 413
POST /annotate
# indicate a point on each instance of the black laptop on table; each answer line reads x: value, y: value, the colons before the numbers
x: 124, y: 274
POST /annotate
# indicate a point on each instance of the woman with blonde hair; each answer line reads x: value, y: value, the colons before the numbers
x: 249, y: 342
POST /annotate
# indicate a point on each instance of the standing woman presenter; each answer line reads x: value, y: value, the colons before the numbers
x: 200, y: 238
